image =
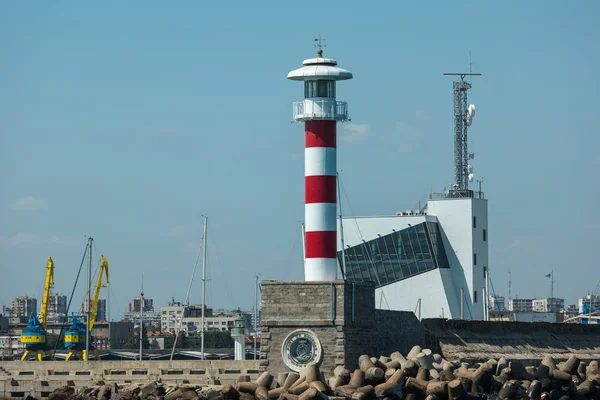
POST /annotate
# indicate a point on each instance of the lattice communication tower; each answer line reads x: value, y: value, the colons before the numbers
x: 463, y: 117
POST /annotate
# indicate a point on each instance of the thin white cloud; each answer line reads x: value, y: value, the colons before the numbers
x: 21, y: 239
x: 176, y: 231
x: 17, y: 240
x: 60, y: 240
x: 29, y: 203
x: 154, y: 131
x: 354, y: 133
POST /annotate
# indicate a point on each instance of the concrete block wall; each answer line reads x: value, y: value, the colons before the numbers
x: 338, y: 312
x: 347, y: 327
x: 39, y: 379
x: 399, y: 331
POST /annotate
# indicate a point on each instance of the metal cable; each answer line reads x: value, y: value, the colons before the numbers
x: 69, y: 304
x: 364, y: 244
x: 187, y: 298
x: 215, y: 251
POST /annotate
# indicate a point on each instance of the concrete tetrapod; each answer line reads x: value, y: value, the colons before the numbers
x: 458, y: 379
x: 392, y: 387
x: 372, y: 373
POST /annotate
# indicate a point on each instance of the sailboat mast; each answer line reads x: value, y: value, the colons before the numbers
x: 255, y: 315
x: 89, y: 301
x: 203, y: 286
x: 142, y: 317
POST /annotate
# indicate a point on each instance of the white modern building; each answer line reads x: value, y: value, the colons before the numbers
x: 432, y: 261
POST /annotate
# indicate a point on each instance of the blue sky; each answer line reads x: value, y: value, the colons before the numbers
x: 129, y: 120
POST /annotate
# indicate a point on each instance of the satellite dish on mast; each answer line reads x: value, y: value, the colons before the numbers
x: 470, y: 114
x: 471, y: 110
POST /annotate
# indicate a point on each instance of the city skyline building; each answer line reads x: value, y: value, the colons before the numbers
x: 23, y: 307
x: 520, y: 305
x: 100, y: 311
x: 176, y: 318
x: 135, y: 305
x: 549, y: 305
x: 57, y: 303
x: 497, y: 303
x: 589, y: 303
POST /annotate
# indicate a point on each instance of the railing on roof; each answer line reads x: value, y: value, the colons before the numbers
x: 456, y: 194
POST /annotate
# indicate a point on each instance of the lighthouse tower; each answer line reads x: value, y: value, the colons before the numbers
x: 320, y: 112
x: 238, y: 333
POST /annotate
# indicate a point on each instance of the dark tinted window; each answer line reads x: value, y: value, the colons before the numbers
x: 396, y: 256
x: 319, y: 89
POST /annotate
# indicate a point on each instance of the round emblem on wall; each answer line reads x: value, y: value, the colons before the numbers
x: 300, y: 348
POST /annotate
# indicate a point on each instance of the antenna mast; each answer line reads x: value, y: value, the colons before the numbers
x: 463, y: 117
x: 142, y: 318
x: 509, y: 287
x: 89, y: 295
x: 203, y: 284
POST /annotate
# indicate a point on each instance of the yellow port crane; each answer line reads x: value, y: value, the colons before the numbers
x: 34, y: 336
x: 75, y: 336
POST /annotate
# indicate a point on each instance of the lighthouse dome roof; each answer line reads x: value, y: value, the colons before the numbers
x: 319, y: 68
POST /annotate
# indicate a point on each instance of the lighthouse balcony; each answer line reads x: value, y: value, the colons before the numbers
x: 322, y: 109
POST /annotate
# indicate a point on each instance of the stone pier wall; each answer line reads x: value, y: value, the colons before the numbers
x: 339, y: 313
x: 38, y: 379
x: 343, y: 317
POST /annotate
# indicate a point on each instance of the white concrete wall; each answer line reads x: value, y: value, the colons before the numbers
x: 461, y: 242
x: 435, y: 289
x: 480, y: 248
x: 440, y: 288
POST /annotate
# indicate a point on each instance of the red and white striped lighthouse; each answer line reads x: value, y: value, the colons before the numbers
x: 320, y: 112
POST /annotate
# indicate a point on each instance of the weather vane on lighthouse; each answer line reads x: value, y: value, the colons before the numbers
x: 320, y: 45
x: 320, y: 112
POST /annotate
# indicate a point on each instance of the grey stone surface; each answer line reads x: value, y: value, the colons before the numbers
x: 347, y: 327
x: 36, y: 378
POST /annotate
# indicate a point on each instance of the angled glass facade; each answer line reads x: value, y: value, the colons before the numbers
x: 396, y: 256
